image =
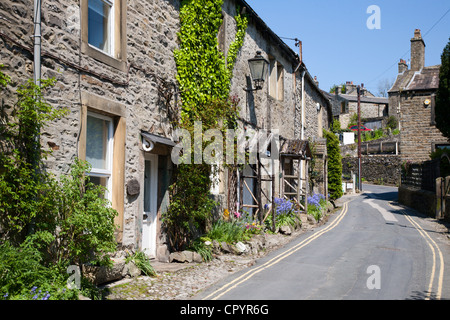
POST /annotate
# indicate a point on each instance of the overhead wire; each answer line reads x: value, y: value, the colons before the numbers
x: 424, y: 35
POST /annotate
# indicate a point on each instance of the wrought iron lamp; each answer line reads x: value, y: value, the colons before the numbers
x: 258, y: 70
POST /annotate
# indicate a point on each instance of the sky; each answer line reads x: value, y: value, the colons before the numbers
x: 338, y: 45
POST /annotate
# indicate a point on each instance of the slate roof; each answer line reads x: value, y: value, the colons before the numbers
x: 295, y: 148
x: 363, y: 99
x: 425, y: 79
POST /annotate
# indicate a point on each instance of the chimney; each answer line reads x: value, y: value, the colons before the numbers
x: 402, y: 66
x: 417, y: 51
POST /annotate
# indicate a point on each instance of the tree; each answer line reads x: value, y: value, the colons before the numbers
x: 442, y: 109
x: 334, y: 87
x: 384, y: 86
x: 334, y: 165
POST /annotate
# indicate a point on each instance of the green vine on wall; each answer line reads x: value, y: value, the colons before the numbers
x: 204, y: 75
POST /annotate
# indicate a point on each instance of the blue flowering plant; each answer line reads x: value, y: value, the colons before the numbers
x: 316, y: 204
x: 285, y: 214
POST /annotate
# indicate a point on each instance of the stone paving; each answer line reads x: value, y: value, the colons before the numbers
x: 182, y: 281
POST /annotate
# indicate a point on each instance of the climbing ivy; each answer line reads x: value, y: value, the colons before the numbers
x: 204, y: 76
x: 203, y: 72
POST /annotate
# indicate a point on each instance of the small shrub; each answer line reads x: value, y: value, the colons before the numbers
x: 203, y: 247
x: 334, y: 165
x: 23, y: 275
x: 316, y: 204
x: 142, y: 262
x: 285, y: 214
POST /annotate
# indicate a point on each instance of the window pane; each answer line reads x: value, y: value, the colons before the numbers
x: 99, y: 181
x: 97, y: 136
x: 147, y: 186
x: 99, y: 24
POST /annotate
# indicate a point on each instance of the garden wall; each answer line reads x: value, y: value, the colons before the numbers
x: 378, y: 169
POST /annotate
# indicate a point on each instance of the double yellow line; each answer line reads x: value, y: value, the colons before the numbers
x: 433, y: 247
x: 249, y: 274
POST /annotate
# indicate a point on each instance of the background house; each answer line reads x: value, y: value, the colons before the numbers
x: 411, y: 101
x: 374, y: 110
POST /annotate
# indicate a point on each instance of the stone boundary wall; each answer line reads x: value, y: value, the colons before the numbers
x: 378, y: 169
x: 422, y: 200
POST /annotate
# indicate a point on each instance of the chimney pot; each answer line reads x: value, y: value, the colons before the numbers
x: 417, y: 51
x: 402, y: 66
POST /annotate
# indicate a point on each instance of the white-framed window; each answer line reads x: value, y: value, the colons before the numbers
x: 99, y: 149
x: 101, y: 25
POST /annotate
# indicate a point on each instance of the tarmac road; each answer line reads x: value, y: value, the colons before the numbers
x: 372, y: 249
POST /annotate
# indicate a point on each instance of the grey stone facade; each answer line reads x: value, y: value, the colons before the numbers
x: 411, y: 101
x: 135, y: 88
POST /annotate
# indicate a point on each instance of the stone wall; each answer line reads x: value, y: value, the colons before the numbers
x: 379, y: 169
x: 419, y: 133
x: 131, y: 95
x: 135, y: 87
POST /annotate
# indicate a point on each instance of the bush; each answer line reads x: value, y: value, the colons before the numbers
x: 392, y: 123
x: 46, y: 224
x: 23, y: 275
x: 334, y: 165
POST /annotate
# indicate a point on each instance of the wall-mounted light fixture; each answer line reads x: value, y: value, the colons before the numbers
x: 258, y: 70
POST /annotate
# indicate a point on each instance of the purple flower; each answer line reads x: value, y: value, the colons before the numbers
x: 47, y: 295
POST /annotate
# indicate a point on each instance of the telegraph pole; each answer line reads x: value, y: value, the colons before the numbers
x: 358, y: 90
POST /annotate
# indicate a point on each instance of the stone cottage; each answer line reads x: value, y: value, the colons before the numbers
x: 411, y: 101
x: 345, y: 105
x: 290, y: 101
x: 115, y: 71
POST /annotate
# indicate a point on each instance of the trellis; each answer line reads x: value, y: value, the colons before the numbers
x: 298, y: 150
x: 290, y: 149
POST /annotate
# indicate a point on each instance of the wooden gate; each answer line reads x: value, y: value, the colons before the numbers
x: 442, y: 191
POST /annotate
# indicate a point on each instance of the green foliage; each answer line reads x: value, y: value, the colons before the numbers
x: 316, y: 205
x: 23, y: 275
x: 336, y: 126
x: 142, y: 262
x: 334, y: 165
x: 84, y: 218
x: 204, y: 76
x: 228, y: 231
x: 190, y: 206
x: 45, y: 224
x: 25, y: 190
x: 372, y: 135
x: 335, y: 87
x: 442, y: 109
x: 202, y: 246
x: 392, y: 123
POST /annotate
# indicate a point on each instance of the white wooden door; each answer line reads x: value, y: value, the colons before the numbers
x: 150, y: 205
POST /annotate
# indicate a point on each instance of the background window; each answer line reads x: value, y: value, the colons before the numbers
x: 99, y: 147
x: 100, y: 25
